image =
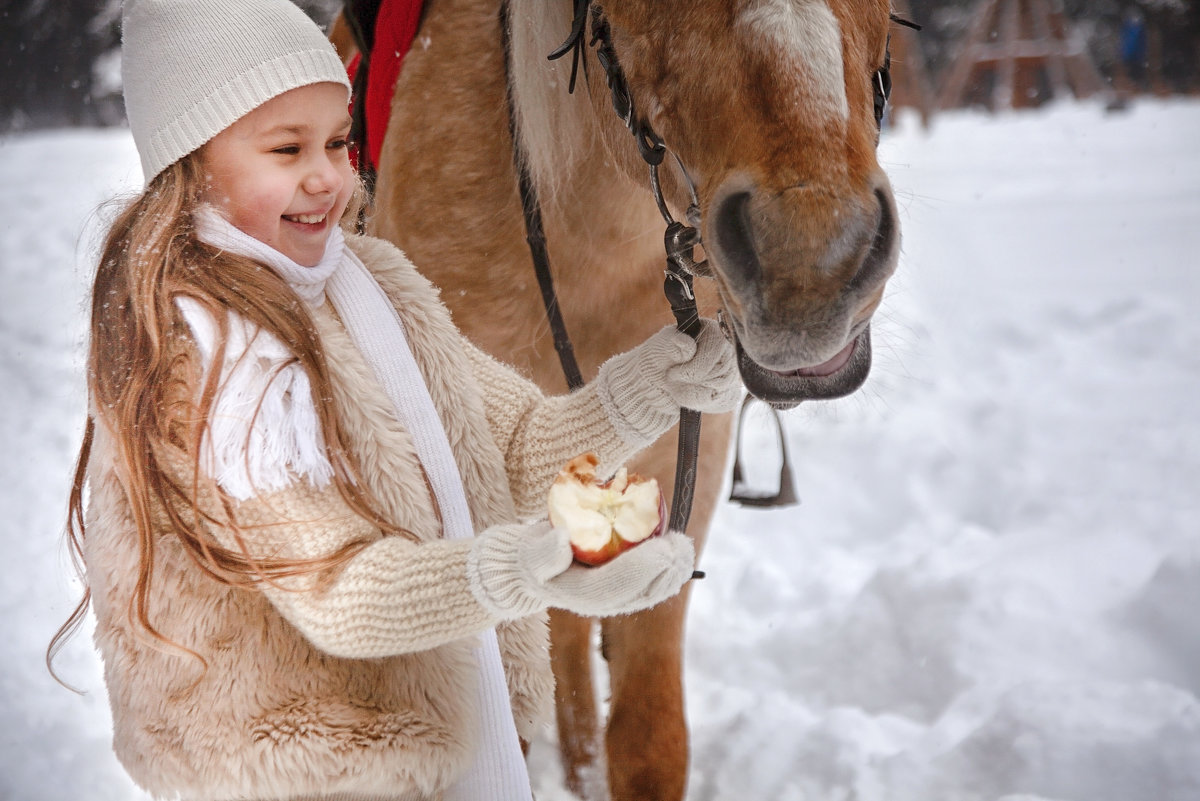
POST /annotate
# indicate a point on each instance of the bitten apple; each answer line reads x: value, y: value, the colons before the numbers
x: 603, y: 519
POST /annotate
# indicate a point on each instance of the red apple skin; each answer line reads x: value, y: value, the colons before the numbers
x: 617, y: 544
x: 592, y: 558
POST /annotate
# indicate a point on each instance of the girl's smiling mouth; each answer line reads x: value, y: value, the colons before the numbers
x: 306, y: 219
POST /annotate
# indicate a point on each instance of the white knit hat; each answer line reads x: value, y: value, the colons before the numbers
x: 191, y: 68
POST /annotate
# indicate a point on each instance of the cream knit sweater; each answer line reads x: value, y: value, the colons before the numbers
x: 399, y: 596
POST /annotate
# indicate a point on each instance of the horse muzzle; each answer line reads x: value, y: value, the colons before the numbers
x: 800, y: 273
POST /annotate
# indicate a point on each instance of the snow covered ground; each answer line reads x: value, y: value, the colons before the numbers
x: 989, y: 590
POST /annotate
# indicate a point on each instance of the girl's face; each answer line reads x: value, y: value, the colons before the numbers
x: 282, y: 173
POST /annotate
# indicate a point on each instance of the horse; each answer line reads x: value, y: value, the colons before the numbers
x: 770, y: 111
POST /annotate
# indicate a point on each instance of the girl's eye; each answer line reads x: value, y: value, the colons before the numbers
x: 338, y: 144
x: 287, y: 150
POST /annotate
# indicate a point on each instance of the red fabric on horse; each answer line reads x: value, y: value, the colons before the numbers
x: 395, y: 28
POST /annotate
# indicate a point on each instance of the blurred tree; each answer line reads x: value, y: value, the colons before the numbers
x: 52, y: 55
x: 60, y: 61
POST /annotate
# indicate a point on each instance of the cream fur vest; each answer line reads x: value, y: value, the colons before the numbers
x: 272, y: 717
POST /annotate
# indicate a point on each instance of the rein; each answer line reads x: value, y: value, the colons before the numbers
x: 679, y: 240
x: 535, y: 234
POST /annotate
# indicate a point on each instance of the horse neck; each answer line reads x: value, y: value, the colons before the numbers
x: 569, y: 139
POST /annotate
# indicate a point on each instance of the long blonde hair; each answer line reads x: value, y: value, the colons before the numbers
x: 150, y: 255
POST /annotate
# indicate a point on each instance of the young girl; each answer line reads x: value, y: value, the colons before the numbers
x: 305, y: 489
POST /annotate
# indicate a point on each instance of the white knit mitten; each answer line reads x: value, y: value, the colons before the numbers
x: 516, y: 570
x: 643, y: 389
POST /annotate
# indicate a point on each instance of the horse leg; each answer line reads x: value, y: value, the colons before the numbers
x: 575, y: 699
x: 647, y: 737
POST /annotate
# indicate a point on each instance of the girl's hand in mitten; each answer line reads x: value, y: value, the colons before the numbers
x: 709, y: 381
x: 517, y: 570
x: 643, y: 389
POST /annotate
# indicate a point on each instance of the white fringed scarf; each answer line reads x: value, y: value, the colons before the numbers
x: 498, y: 769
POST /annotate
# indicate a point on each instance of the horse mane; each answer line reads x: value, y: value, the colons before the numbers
x: 556, y: 129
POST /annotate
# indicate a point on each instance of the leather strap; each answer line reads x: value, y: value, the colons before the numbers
x: 535, y: 235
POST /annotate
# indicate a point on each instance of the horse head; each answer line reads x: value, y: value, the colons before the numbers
x: 772, y: 111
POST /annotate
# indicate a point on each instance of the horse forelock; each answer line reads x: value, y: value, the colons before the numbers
x: 776, y: 77
x: 808, y: 40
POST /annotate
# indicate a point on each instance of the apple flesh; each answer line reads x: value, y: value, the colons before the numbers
x: 606, y: 518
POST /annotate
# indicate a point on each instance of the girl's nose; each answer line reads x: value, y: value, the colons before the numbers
x: 322, y: 178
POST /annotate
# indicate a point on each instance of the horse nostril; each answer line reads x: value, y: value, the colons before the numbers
x: 881, y: 245
x: 735, y: 238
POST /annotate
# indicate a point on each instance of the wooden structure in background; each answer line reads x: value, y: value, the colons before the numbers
x: 911, y: 87
x: 1017, y: 54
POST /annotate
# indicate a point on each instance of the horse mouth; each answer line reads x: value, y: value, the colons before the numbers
x: 836, y: 378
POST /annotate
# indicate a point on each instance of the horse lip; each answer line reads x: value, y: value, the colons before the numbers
x: 787, y: 391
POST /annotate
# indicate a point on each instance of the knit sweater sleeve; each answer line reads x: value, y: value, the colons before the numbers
x: 392, y: 596
x: 538, y: 434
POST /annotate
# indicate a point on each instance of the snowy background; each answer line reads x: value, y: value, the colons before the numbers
x: 990, y: 589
